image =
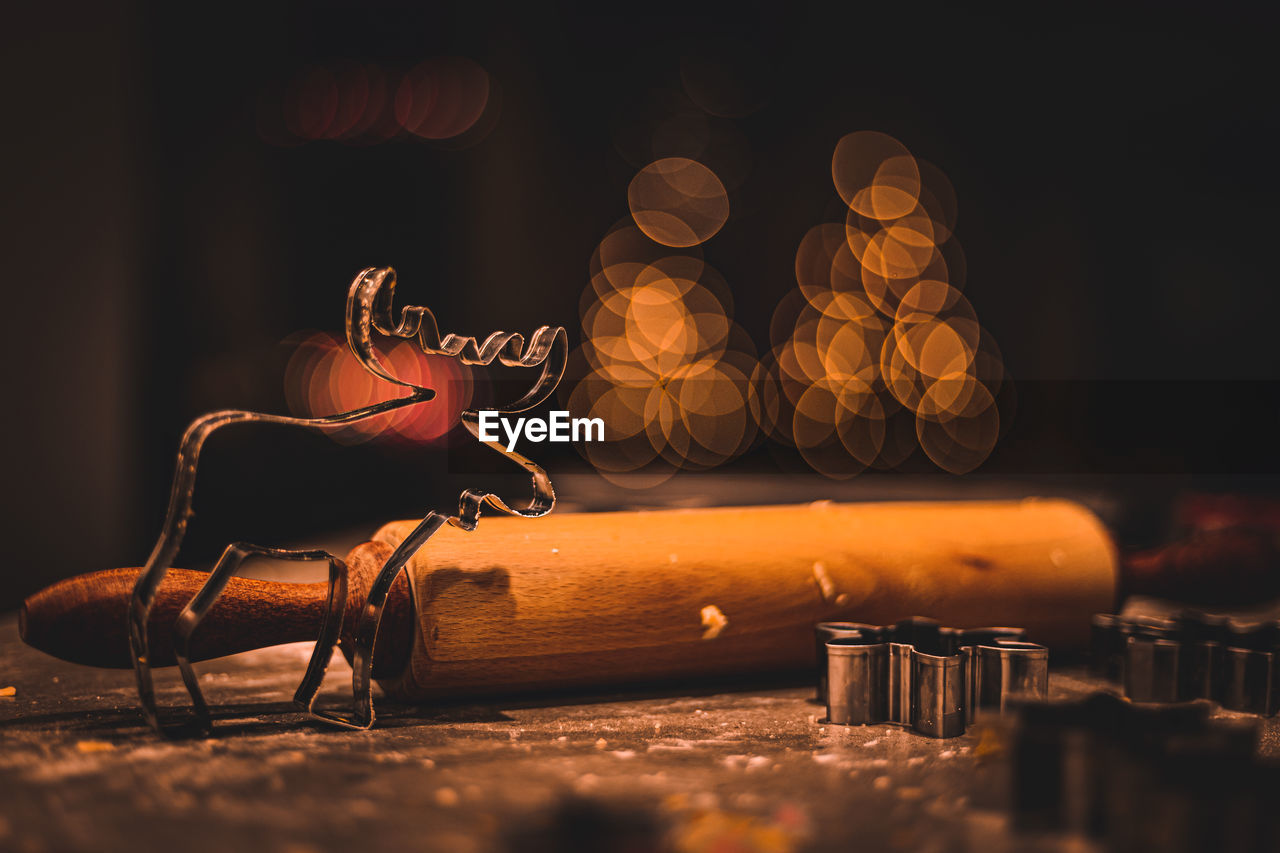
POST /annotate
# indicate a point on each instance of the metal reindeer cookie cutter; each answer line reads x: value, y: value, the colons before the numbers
x: 369, y: 310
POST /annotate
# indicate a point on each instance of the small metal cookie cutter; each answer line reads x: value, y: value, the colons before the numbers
x: 1191, y: 654
x: 1131, y: 776
x: 919, y: 674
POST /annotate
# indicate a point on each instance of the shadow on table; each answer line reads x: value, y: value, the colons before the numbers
x: 252, y: 718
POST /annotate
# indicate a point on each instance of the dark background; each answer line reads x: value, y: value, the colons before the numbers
x: 1115, y: 174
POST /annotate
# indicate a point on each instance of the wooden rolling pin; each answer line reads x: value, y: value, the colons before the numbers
x: 577, y: 600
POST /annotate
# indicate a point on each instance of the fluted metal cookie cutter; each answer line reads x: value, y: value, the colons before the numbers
x: 1191, y: 654
x: 929, y: 678
x: 1168, y: 777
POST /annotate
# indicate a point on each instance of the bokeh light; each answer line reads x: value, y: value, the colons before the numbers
x: 878, y: 352
x: 323, y: 377
x: 875, y: 175
x: 662, y: 363
x: 678, y: 202
x: 443, y: 98
x: 874, y: 357
x: 662, y: 123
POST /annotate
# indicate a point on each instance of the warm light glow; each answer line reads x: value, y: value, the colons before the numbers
x: 878, y: 351
x: 442, y: 97
x: 875, y: 175
x: 875, y: 355
x: 311, y: 103
x: 663, y: 364
x: 323, y: 377
x: 678, y: 202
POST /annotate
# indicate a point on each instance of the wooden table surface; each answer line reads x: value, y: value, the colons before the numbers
x: 755, y: 766
x: 753, y: 769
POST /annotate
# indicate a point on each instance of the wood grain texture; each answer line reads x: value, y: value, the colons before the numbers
x: 593, y: 599
x: 84, y: 619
